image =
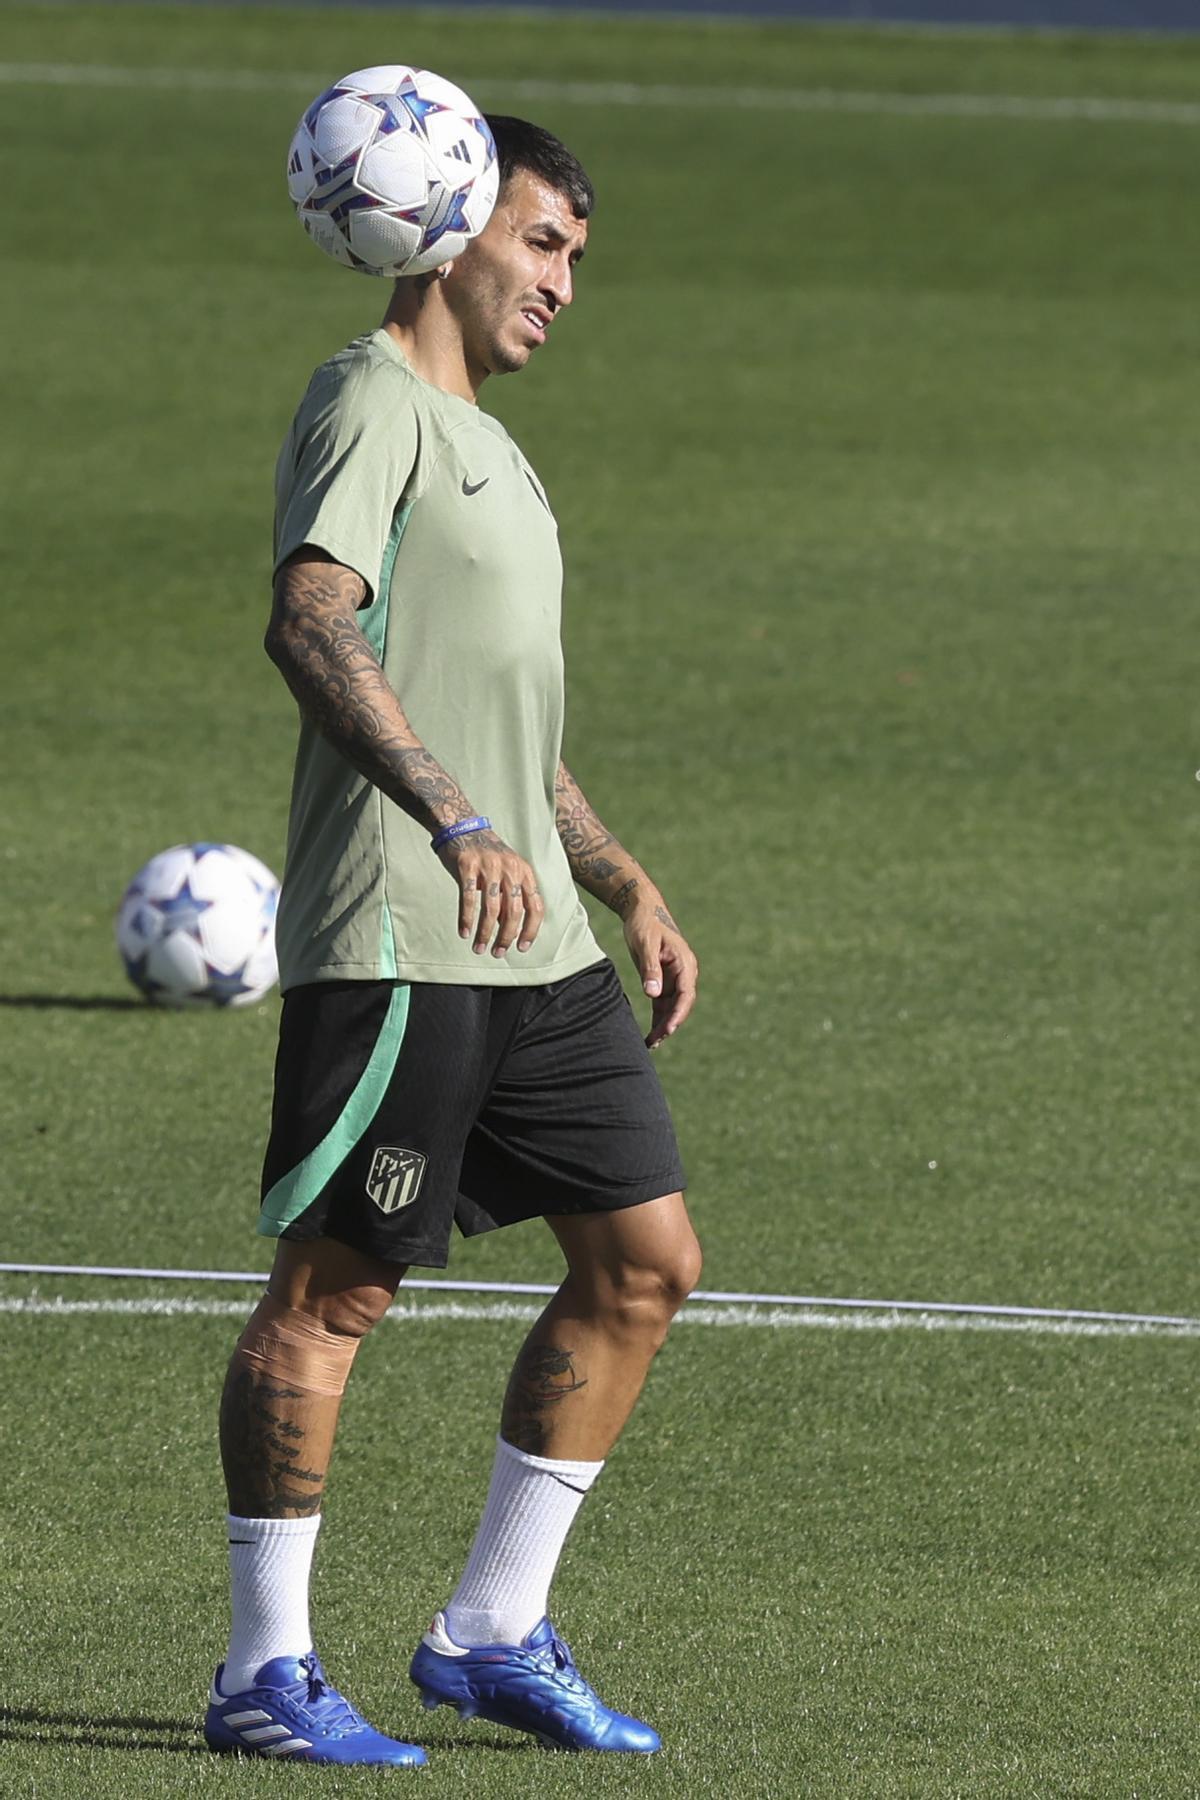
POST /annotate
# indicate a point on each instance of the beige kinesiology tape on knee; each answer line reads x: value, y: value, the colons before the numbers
x: 294, y: 1348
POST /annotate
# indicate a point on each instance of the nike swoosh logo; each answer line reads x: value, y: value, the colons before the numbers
x: 563, y: 1482
x: 473, y: 487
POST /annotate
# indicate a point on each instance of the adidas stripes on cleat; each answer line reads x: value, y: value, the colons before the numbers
x: 532, y: 1686
x: 292, y: 1714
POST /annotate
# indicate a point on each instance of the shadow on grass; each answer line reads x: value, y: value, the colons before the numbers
x: 131, y: 1733
x: 179, y: 1735
x: 76, y: 1002
x: 430, y: 1740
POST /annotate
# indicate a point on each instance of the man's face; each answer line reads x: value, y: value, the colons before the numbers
x: 511, y: 281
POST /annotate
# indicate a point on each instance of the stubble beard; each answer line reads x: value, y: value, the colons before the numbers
x: 508, y: 362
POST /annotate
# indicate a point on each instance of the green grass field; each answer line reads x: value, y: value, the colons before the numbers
x: 873, y: 442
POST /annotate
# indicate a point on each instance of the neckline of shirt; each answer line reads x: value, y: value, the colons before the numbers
x: 383, y: 340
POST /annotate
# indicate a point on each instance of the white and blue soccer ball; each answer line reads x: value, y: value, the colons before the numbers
x: 393, y: 170
x: 197, y: 927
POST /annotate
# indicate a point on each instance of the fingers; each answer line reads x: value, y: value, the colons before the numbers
x: 489, y: 911
x: 468, y: 901
x: 677, y: 996
x: 512, y: 917
x: 534, y: 913
x: 520, y: 916
x: 513, y: 907
x: 499, y: 904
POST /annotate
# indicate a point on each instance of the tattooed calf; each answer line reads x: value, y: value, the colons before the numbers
x: 262, y: 1450
x: 543, y: 1378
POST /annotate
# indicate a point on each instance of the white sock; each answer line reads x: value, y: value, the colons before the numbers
x: 531, y: 1505
x: 269, y: 1561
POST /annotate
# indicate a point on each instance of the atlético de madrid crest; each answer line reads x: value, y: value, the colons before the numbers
x: 395, y: 1177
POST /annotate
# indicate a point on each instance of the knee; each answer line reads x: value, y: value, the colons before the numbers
x: 297, y: 1348
x: 681, y: 1275
x: 342, y: 1291
x: 647, y: 1296
x: 352, y: 1313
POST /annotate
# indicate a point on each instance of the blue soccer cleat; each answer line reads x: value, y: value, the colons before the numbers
x: 532, y: 1686
x: 292, y: 1714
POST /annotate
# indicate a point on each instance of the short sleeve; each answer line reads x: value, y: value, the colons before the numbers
x: 347, y: 465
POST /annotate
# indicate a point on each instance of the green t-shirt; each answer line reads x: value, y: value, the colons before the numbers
x: 431, y: 502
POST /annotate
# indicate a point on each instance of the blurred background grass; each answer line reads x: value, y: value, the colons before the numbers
x: 873, y: 447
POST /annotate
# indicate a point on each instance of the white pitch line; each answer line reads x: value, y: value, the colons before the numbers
x: 117, y: 1271
x: 417, y: 1312
x: 443, y: 1284
x: 1047, y: 108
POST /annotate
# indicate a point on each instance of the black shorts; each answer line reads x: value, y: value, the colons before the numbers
x: 401, y: 1106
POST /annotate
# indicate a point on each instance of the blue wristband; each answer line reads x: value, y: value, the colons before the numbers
x: 462, y: 829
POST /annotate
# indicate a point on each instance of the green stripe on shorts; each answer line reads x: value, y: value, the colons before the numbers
x: 298, y: 1189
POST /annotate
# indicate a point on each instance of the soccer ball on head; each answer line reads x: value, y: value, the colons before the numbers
x: 196, y: 927
x: 393, y: 170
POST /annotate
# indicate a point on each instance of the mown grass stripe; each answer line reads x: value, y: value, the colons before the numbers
x: 1098, y: 108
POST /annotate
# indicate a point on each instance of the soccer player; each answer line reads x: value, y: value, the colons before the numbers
x: 453, y: 1045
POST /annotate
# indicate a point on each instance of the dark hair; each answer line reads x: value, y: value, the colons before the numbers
x: 520, y: 145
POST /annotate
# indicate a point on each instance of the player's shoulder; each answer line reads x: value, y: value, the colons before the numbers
x: 365, y: 399
x: 489, y: 423
x: 366, y: 373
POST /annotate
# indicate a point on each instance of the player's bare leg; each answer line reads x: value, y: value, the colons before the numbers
x: 493, y: 1651
x: 582, y: 1366
x: 279, y: 1413
x: 283, y: 1390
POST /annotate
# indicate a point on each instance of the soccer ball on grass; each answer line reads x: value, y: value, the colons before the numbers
x: 197, y: 927
x: 393, y: 170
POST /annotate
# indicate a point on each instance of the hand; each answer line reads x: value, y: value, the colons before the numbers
x: 667, y: 965
x: 497, y: 885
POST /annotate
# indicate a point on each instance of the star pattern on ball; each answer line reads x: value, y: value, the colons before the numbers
x: 135, y: 968
x: 405, y: 110
x: 453, y: 219
x: 182, y: 911
x: 351, y: 204
x: 314, y: 111
x: 223, y: 987
x: 144, y: 923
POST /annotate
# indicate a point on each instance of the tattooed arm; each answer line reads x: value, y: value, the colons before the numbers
x: 661, y: 954
x: 315, y: 642
x: 598, y: 862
